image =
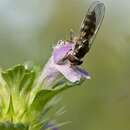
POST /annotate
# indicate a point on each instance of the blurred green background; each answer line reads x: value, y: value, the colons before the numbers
x: 29, y: 29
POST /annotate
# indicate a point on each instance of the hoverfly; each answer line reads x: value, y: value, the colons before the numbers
x: 88, y: 30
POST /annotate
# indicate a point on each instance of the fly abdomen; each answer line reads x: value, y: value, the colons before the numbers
x: 81, y: 50
x: 88, y: 26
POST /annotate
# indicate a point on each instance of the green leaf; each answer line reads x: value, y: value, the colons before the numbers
x: 27, y: 82
x: 43, y: 96
x: 18, y: 83
x: 10, y: 111
x: 14, y: 75
x: 19, y: 78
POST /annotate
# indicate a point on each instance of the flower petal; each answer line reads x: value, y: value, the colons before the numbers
x: 61, y: 50
x: 49, y: 73
x: 70, y: 73
x: 83, y: 72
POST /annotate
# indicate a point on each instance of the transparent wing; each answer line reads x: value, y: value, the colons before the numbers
x: 92, y: 21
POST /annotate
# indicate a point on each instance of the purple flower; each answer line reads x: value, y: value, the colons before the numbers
x: 59, y: 64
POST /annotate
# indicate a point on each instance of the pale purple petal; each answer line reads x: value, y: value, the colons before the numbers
x: 49, y: 73
x: 83, y: 73
x: 70, y: 73
x: 61, y: 50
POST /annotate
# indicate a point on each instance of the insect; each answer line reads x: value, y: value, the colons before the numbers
x: 88, y: 30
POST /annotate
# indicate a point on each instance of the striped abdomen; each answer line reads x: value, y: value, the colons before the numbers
x: 87, y: 30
